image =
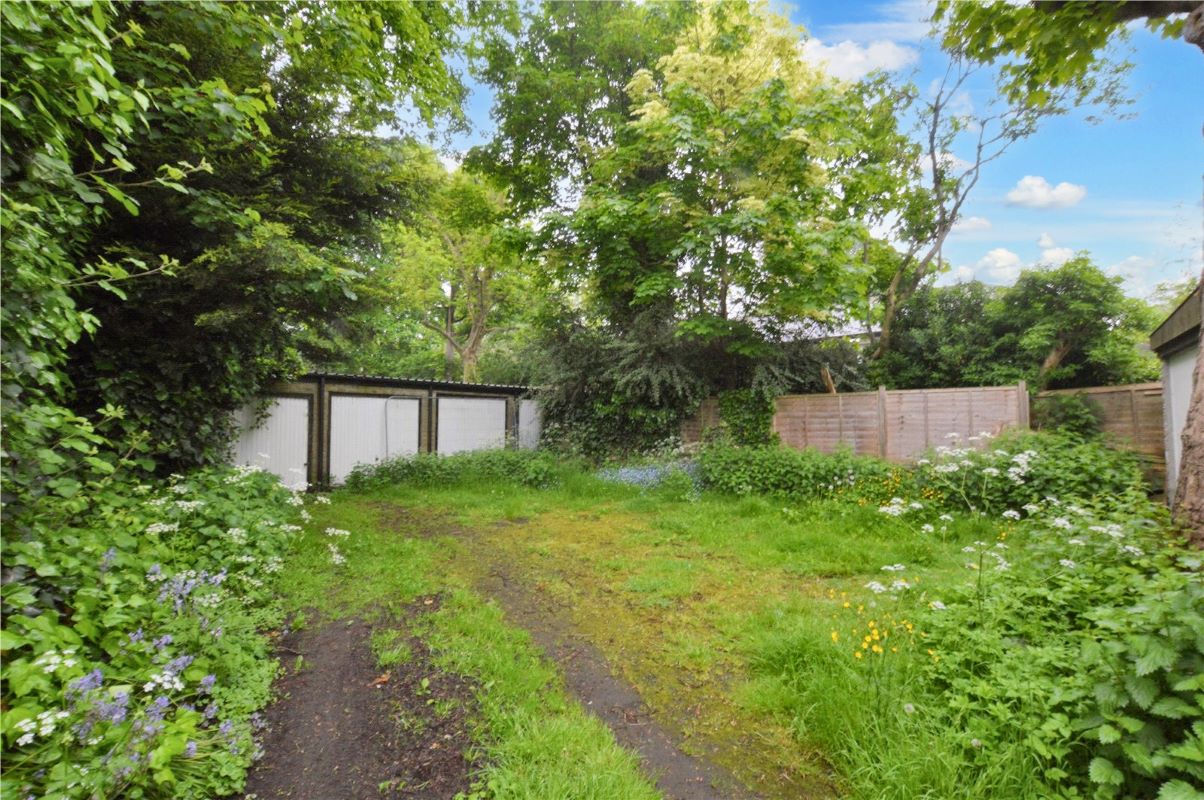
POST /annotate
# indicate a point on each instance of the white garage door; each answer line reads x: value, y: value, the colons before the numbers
x: 530, y: 423
x: 471, y: 423
x: 280, y: 443
x: 364, y: 430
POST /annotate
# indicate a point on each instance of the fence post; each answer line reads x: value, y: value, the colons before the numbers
x: 881, y: 421
x: 1022, y: 402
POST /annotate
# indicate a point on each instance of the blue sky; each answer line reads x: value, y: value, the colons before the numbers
x: 1127, y: 191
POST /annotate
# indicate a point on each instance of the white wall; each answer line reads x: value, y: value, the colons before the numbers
x: 470, y: 423
x: 364, y: 430
x: 280, y: 444
x: 530, y: 423
x: 1176, y: 394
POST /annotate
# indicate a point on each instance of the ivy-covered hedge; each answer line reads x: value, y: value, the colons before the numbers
x: 133, y: 640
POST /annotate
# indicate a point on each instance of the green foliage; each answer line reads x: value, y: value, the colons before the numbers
x: 1071, y: 414
x: 133, y: 636
x: 1020, y: 469
x: 1067, y: 326
x: 748, y: 415
x: 535, y: 468
x: 797, y: 474
x: 1041, y: 48
x: 1082, y: 648
x: 559, y: 75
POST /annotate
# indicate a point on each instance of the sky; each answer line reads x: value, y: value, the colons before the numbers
x: 1127, y: 191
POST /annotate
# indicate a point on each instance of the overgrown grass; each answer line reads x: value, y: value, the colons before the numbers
x: 798, y: 638
x: 535, y: 741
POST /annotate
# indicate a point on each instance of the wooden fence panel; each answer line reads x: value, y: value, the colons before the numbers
x: 897, y: 425
x: 1131, y: 416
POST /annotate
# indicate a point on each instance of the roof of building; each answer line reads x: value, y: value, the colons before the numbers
x: 1181, y: 328
x: 414, y: 383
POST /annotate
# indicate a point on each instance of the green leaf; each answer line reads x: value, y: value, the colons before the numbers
x: 1101, y: 770
x: 1179, y: 790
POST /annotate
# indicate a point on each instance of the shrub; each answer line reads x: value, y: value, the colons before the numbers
x: 134, y: 659
x: 1020, y: 469
x: 527, y: 467
x: 792, y: 473
x: 1070, y: 414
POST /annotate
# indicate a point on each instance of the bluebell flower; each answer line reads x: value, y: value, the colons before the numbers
x: 163, y: 641
x: 190, y: 750
x: 107, y: 560
x: 207, y: 683
x: 136, y: 636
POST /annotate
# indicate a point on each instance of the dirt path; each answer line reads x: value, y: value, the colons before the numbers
x: 343, y: 729
x: 587, y: 674
x: 588, y: 677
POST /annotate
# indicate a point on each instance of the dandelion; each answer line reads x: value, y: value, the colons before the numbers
x: 976, y: 743
x: 908, y: 708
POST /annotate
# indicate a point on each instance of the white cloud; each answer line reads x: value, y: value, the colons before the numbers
x: 850, y: 61
x: 898, y: 20
x: 451, y: 161
x: 1055, y: 256
x: 1045, y: 241
x: 1001, y: 265
x: 1033, y: 191
x: 971, y: 224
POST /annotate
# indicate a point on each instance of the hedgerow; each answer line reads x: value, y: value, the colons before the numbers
x: 134, y: 636
x: 527, y: 467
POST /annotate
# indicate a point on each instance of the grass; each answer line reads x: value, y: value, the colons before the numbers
x: 536, y: 741
x: 722, y: 612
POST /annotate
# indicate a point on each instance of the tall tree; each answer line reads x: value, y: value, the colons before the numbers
x: 560, y: 89
x: 457, y: 269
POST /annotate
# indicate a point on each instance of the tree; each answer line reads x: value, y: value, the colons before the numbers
x: 1051, y: 46
x: 146, y: 138
x: 457, y: 269
x: 560, y: 90
x: 722, y: 203
x: 1057, y: 327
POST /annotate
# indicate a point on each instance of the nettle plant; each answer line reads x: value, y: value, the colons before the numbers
x: 1080, y: 649
x: 134, y: 654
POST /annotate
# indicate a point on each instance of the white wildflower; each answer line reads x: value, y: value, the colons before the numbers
x: 1011, y: 514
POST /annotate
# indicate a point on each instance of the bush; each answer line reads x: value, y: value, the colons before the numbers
x: 1070, y: 414
x: 793, y: 473
x: 1020, y: 469
x: 134, y: 659
x: 535, y: 468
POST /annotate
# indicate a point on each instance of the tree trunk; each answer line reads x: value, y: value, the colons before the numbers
x: 1052, y: 361
x: 449, y: 349
x: 1189, y: 491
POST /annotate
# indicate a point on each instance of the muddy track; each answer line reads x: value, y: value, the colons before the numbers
x: 344, y: 729
x: 588, y: 675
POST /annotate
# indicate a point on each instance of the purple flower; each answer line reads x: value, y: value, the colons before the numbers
x: 154, y: 571
x: 107, y: 560
x: 136, y: 636
x: 114, y: 712
x: 178, y: 665
x: 210, y: 711
x: 157, y: 709
x: 88, y: 683
x: 216, y: 580
x: 190, y: 750
x: 163, y: 641
x: 207, y: 683
x: 226, y: 728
